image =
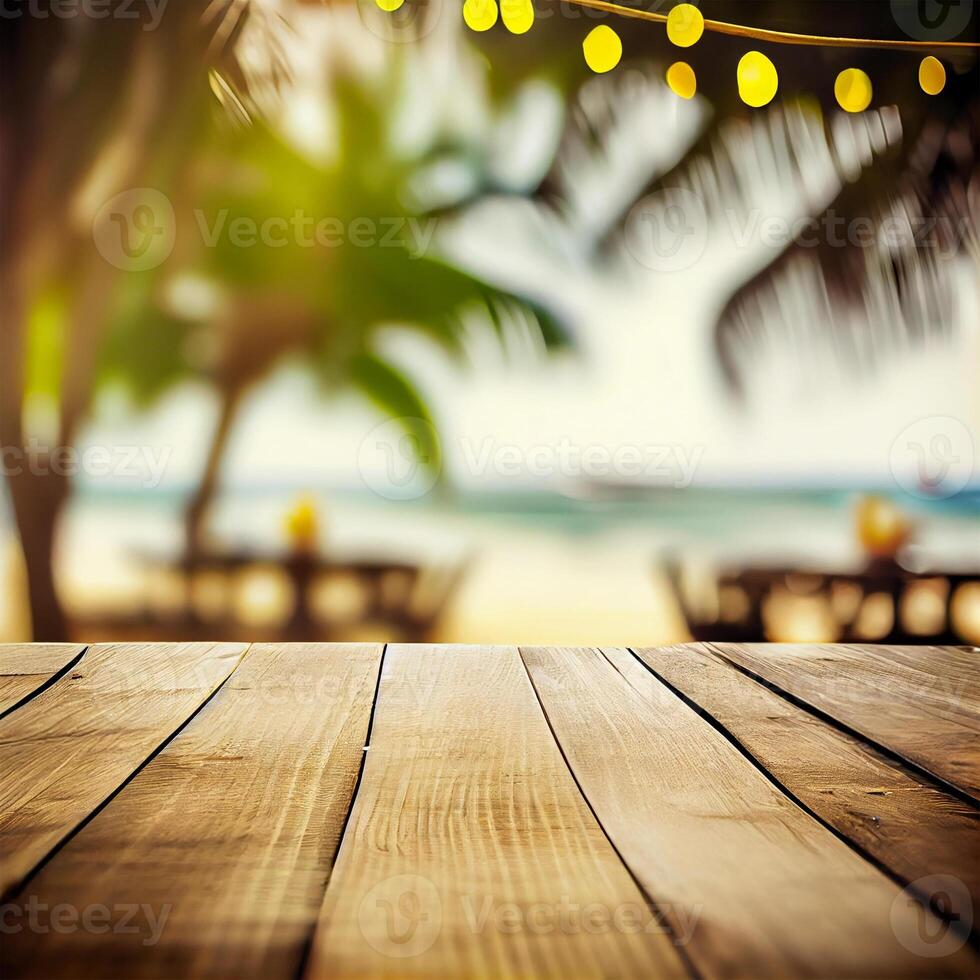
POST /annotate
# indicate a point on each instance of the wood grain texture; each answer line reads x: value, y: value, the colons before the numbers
x: 67, y: 750
x: 470, y: 851
x: 226, y: 839
x: 910, y: 826
x: 25, y: 667
x: 777, y: 895
x: 922, y: 703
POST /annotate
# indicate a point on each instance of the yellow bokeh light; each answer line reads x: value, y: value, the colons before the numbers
x: 602, y: 48
x: 685, y: 25
x: 302, y: 524
x: 517, y: 15
x: 389, y: 5
x: 932, y: 76
x: 480, y: 15
x: 758, y: 80
x: 682, y: 80
x: 853, y: 90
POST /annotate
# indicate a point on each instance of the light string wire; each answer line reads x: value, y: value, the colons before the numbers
x: 777, y: 37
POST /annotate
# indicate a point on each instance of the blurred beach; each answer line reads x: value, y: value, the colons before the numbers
x: 527, y: 554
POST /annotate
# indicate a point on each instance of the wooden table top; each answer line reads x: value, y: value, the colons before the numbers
x: 277, y: 811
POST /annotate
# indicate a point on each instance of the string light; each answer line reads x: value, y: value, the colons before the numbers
x: 682, y: 80
x: 685, y: 25
x: 780, y: 37
x: 480, y: 15
x: 602, y: 49
x: 758, y: 80
x: 517, y: 15
x: 932, y: 76
x: 853, y: 90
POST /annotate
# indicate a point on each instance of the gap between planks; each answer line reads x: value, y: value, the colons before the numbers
x: 847, y: 710
x: 702, y: 828
x: 910, y: 828
x: 71, y: 749
x: 232, y: 827
x: 668, y: 926
x: 466, y: 804
x: 19, y: 684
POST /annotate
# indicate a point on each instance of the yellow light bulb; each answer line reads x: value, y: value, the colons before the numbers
x: 682, y: 80
x: 758, y: 80
x: 932, y: 76
x: 517, y: 15
x: 602, y: 48
x: 685, y: 25
x: 389, y: 5
x: 853, y: 90
x: 480, y: 15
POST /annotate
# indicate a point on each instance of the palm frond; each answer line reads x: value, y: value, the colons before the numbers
x: 850, y: 304
x: 612, y: 144
x: 246, y: 54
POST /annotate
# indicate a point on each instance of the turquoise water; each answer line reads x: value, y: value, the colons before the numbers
x: 729, y: 521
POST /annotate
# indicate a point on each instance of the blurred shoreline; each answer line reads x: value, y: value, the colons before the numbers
x: 528, y: 552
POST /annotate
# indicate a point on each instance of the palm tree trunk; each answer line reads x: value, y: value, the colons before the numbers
x: 195, y: 516
x: 37, y: 494
x: 38, y: 500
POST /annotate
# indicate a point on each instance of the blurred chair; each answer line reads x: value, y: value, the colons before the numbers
x: 881, y: 603
x: 297, y: 597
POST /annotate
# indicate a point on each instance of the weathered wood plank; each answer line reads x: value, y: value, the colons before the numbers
x: 470, y: 852
x: 910, y: 826
x: 25, y: 667
x: 67, y: 750
x: 224, y: 842
x: 900, y: 698
x: 703, y: 829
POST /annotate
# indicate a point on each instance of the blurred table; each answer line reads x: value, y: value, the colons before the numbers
x: 320, y: 598
x: 882, y: 603
x: 320, y: 810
